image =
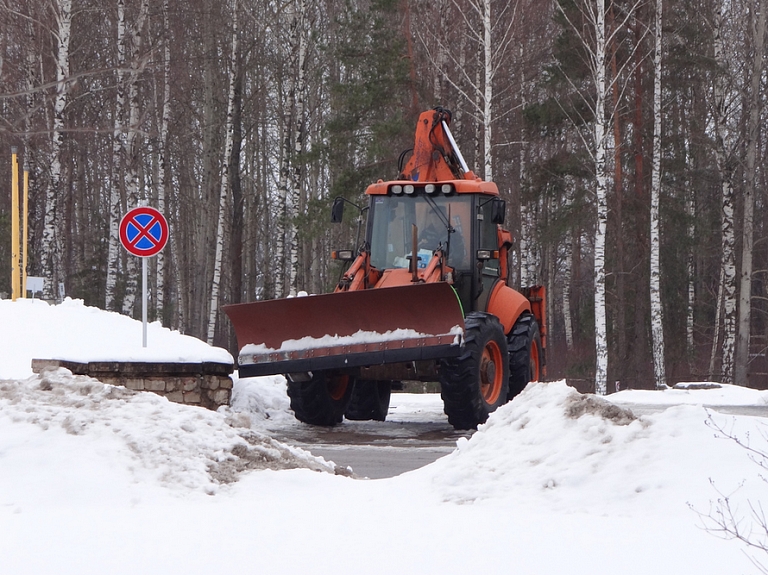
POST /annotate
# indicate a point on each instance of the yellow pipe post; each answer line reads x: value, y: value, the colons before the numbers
x: 15, y: 278
x: 25, y: 232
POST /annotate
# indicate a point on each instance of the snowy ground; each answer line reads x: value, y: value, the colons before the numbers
x: 97, y: 479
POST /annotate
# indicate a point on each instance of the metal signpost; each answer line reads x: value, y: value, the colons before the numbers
x: 143, y: 232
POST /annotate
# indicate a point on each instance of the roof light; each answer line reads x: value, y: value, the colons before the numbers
x: 430, y: 188
x: 446, y: 188
x: 397, y: 189
x: 409, y: 189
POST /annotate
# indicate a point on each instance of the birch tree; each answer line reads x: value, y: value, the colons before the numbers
x: 293, y: 206
x: 51, y: 245
x: 595, y: 41
x: 223, y: 195
x: 745, y: 281
x: 115, y: 196
x: 724, y: 150
x: 162, y: 180
x: 131, y: 144
x: 657, y: 326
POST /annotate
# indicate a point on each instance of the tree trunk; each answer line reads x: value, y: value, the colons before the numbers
x: 601, y: 189
x: 162, y: 180
x: 724, y: 150
x: 115, y: 195
x: 223, y: 212
x: 753, y: 127
x: 51, y: 246
x: 657, y: 326
x: 294, y: 206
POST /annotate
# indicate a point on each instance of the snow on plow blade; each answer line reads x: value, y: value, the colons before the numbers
x: 347, y: 329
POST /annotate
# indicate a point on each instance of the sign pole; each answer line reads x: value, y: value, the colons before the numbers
x: 143, y: 232
x: 25, y: 232
x: 144, y: 302
x: 15, y: 277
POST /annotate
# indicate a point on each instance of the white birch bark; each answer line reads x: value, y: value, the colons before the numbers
x: 284, y: 194
x: 567, y: 277
x: 753, y: 127
x: 131, y: 149
x: 657, y: 326
x: 601, y: 192
x: 163, y: 157
x: 487, y: 92
x: 294, y: 207
x: 691, y: 210
x: 51, y: 243
x: 115, y: 203
x: 723, y: 154
x: 224, y: 192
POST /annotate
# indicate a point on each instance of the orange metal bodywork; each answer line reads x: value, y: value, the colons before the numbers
x: 431, y: 310
x: 507, y: 305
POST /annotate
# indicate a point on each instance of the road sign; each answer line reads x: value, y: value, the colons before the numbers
x: 143, y: 231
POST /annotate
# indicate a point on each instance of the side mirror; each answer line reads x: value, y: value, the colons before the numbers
x: 498, y: 211
x: 337, y: 211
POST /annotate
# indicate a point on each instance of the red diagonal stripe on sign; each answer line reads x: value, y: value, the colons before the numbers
x: 144, y: 232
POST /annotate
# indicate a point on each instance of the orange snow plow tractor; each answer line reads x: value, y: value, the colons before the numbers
x: 425, y: 298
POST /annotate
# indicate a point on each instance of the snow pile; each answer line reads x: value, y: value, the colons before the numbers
x: 157, y: 442
x: 579, y: 453
x: 76, y: 332
x: 264, y: 399
x: 359, y: 337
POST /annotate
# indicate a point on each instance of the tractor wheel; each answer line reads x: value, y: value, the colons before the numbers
x: 475, y: 383
x: 323, y: 399
x: 524, y: 354
x: 370, y: 400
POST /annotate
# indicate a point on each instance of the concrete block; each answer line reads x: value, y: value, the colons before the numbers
x: 175, y: 397
x: 189, y: 383
x: 154, y: 384
x: 210, y: 382
x: 192, y: 397
x: 225, y: 383
x: 137, y: 384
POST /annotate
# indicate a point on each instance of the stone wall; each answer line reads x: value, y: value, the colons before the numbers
x: 205, y: 384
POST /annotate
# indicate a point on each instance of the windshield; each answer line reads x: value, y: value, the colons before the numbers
x: 393, y: 217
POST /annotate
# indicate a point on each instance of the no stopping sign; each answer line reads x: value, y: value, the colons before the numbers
x: 143, y: 231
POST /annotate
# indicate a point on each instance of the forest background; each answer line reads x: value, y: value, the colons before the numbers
x: 242, y: 120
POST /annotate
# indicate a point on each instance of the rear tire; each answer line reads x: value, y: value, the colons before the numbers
x: 370, y: 400
x: 476, y: 382
x: 525, y: 354
x: 323, y: 399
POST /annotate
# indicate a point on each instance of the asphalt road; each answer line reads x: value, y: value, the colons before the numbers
x: 376, y: 449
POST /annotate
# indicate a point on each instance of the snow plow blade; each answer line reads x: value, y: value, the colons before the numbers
x: 347, y: 329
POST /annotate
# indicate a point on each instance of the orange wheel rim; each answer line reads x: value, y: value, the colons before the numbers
x: 534, y: 362
x: 491, y: 372
x: 337, y: 386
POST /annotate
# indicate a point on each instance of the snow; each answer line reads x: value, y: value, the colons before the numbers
x: 359, y: 337
x: 98, y: 479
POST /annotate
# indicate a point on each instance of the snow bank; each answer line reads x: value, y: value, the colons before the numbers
x: 579, y: 453
x: 76, y: 332
x: 698, y: 393
x: 153, y: 440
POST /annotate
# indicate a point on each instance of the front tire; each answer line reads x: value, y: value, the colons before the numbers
x: 323, y: 399
x: 370, y: 400
x: 476, y: 382
x: 525, y: 354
